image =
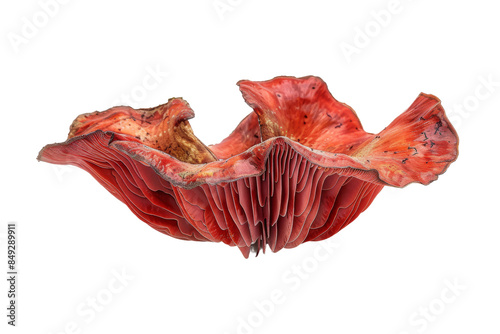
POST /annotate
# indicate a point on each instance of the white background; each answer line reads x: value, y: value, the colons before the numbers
x: 391, y: 269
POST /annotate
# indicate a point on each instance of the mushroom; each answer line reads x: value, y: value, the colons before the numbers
x: 298, y: 168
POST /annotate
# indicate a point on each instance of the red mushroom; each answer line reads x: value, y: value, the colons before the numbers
x: 299, y: 168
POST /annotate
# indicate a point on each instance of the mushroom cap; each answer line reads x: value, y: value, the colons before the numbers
x: 298, y: 168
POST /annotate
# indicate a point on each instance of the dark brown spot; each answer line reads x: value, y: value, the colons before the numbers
x: 413, y: 148
x: 437, y: 126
